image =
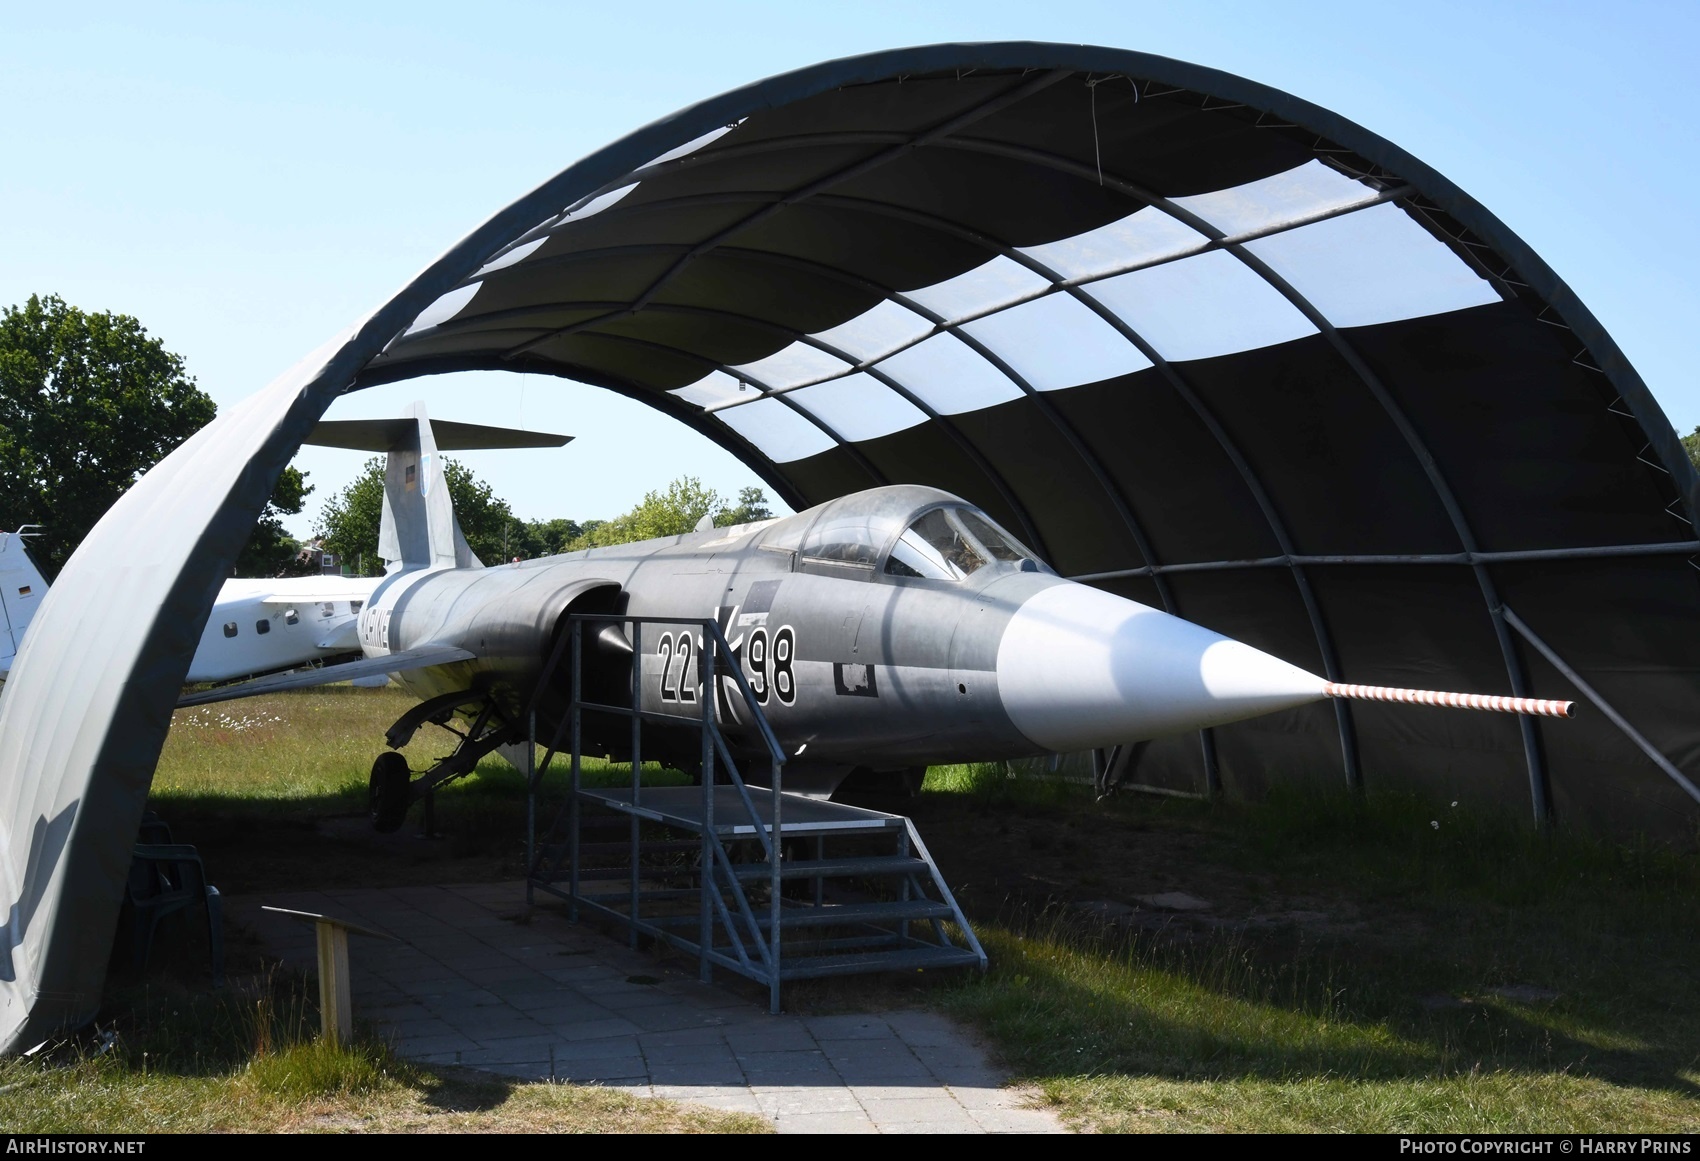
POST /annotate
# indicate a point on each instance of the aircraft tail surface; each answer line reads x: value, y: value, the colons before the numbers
x: 21, y: 589
x: 418, y: 528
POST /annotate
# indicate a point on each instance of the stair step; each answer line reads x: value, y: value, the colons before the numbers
x: 833, y: 868
x: 842, y: 913
x: 852, y: 963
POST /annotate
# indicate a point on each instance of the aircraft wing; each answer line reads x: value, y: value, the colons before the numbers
x: 345, y: 635
x: 311, y: 597
x: 422, y: 658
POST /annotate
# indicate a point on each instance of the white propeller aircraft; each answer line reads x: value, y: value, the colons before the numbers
x: 260, y: 626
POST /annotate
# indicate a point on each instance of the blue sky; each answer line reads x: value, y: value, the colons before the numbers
x: 246, y: 180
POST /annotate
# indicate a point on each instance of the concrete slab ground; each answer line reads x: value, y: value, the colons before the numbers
x: 476, y: 979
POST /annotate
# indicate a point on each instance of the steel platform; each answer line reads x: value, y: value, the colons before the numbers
x: 683, y: 807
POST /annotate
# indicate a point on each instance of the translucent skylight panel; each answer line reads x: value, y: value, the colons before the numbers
x: 950, y: 376
x: 693, y: 144
x: 1057, y: 342
x: 715, y: 387
x: 1145, y: 236
x: 518, y: 254
x: 1373, y: 266
x: 778, y: 432
x: 1209, y: 304
x: 1311, y: 189
x: 596, y: 204
x: 859, y: 407
x: 993, y: 284
x: 877, y: 332
x: 798, y: 363
x: 445, y: 308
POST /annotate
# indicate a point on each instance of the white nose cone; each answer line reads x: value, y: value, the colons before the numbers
x: 1079, y: 668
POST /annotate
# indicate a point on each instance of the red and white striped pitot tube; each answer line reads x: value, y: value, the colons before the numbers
x: 1535, y: 706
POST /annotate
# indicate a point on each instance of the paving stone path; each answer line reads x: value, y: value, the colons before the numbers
x: 475, y: 979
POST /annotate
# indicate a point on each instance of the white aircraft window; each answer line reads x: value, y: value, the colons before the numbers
x: 1057, y: 342
x: 230, y: 628
x: 1312, y: 188
x: 291, y: 617
x: 937, y: 547
x: 326, y: 609
x: 354, y: 606
x: 262, y: 627
x: 1373, y: 266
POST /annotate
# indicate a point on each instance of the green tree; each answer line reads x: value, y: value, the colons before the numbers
x: 349, y: 521
x: 271, y: 551
x: 550, y: 537
x: 88, y: 402
x: 674, y: 511
x: 671, y: 512
x: 751, y: 506
x: 1691, y: 445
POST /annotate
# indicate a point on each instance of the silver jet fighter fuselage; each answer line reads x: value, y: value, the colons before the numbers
x: 886, y: 630
x: 883, y: 632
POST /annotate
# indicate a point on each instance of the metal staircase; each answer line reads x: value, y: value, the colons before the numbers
x: 795, y: 888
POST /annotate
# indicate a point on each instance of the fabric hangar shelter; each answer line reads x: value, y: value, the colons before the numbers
x: 1194, y: 339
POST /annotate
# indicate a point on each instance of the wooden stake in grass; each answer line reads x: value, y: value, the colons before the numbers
x: 336, y: 1005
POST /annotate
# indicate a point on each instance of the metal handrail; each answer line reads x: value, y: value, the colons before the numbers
x: 715, y: 659
x: 776, y: 752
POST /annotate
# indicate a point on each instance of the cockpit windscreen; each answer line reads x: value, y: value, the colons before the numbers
x: 951, y: 543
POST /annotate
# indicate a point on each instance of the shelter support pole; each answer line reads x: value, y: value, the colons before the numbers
x: 1540, y: 792
x: 705, y: 855
x: 637, y: 775
x: 1600, y: 703
x: 531, y: 801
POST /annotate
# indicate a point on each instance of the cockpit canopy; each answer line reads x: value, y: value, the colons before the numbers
x: 904, y: 532
x: 950, y: 543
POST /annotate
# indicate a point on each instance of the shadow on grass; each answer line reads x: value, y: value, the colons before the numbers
x: 305, y: 841
x: 1449, y: 909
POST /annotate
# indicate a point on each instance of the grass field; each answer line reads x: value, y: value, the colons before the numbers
x: 1361, y: 965
x: 1379, y: 965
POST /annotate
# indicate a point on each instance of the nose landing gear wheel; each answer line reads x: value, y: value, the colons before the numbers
x: 388, y: 791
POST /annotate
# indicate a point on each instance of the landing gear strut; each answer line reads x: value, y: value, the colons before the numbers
x: 393, y: 789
